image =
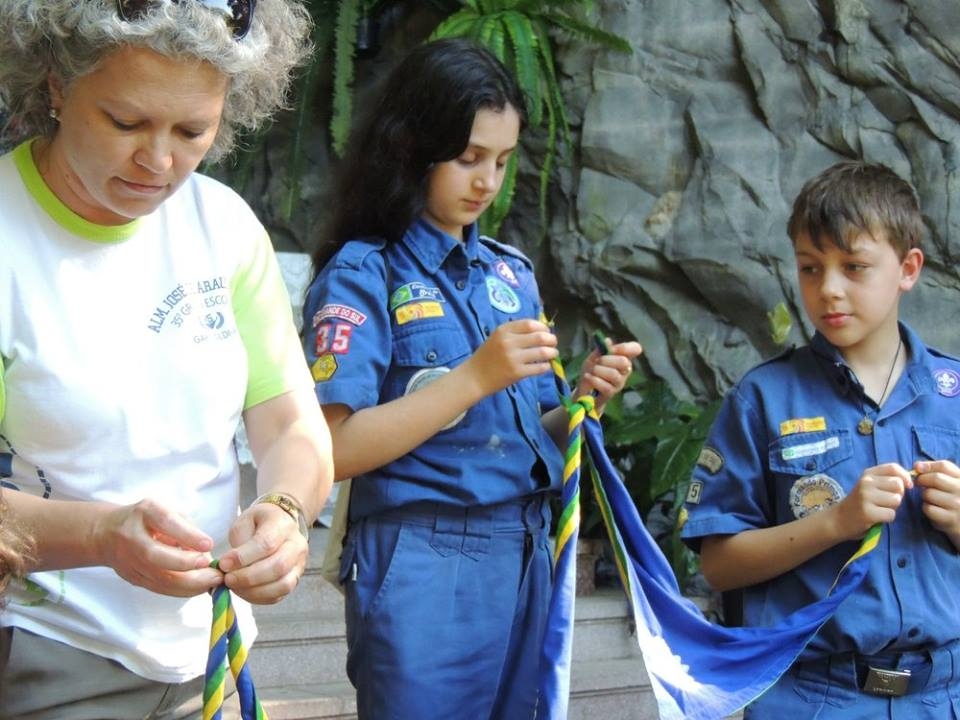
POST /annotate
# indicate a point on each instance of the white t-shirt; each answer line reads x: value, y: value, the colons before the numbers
x: 128, y: 354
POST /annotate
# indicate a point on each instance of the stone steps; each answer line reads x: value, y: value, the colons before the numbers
x: 298, y: 661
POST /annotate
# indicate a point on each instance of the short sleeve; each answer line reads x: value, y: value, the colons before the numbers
x: 264, y: 318
x: 347, y: 337
x: 727, y: 492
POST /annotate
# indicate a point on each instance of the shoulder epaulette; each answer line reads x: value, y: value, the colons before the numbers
x: 355, y: 252
x: 504, y: 249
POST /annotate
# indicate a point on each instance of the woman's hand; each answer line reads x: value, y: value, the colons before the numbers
x: 151, y: 545
x: 268, y: 556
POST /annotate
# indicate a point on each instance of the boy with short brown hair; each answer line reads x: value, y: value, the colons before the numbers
x: 812, y: 448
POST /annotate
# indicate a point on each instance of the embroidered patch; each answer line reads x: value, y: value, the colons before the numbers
x: 710, y: 459
x: 505, y: 271
x: 948, y: 382
x: 799, y: 425
x: 324, y: 368
x: 414, y: 292
x: 812, y: 494
x: 502, y: 296
x: 418, y: 311
x: 341, y: 312
x: 808, y: 449
x: 694, y: 492
x: 425, y: 377
x: 333, y: 338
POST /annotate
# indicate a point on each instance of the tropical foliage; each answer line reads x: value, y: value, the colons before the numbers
x: 653, y: 439
x: 518, y: 32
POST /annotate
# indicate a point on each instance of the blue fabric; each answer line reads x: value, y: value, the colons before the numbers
x: 756, y: 453
x: 698, y: 670
x: 381, y: 316
x: 445, y: 610
x: 446, y: 569
x: 556, y: 654
x: 827, y: 689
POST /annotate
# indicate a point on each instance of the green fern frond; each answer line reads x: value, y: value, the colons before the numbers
x: 549, y: 154
x: 492, y: 7
x: 554, y: 96
x: 345, y: 39
x: 304, y: 111
x: 493, y: 218
x: 457, y: 25
x: 525, y: 63
x: 589, y: 33
x: 491, y: 35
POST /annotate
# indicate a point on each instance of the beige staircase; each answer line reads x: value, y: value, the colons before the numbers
x: 299, y: 657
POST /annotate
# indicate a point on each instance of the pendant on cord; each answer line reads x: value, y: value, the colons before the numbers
x: 865, y: 426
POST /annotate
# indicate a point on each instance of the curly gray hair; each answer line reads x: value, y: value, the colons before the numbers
x: 68, y: 39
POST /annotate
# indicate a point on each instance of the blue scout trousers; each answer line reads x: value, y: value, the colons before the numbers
x: 445, y: 610
x: 832, y: 688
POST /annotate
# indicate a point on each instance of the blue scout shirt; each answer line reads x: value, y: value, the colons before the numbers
x: 786, y: 444
x: 383, y: 319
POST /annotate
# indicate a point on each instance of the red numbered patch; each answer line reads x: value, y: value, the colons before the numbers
x: 333, y: 338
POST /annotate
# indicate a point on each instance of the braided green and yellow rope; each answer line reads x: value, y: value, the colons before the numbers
x: 226, y: 643
x: 557, y: 646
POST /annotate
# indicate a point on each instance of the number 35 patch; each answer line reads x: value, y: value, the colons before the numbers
x: 333, y: 338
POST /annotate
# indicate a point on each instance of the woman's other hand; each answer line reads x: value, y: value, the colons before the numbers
x: 151, y: 545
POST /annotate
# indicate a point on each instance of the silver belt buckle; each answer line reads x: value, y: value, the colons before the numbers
x: 892, y: 683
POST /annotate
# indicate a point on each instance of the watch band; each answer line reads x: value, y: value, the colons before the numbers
x: 290, y: 505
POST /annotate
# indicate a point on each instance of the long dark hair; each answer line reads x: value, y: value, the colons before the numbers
x: 424, y: 115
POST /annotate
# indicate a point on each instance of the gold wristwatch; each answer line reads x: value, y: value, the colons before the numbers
x: 291, y: 506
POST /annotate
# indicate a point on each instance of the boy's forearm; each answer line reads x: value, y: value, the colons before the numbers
x: 755, y: 556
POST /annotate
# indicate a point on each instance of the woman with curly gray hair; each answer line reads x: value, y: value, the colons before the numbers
x: 143, y: 316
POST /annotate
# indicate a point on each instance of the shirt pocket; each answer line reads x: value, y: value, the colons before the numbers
x: 809, y: 453
x: 808, y: 472
x: 424, y: 354
x: 936, y: 443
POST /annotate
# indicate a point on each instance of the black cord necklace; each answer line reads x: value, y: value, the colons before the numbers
x: 865, y: 426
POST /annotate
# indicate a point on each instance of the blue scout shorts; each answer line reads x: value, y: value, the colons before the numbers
x: 842, y: 687
x: 445, y: 610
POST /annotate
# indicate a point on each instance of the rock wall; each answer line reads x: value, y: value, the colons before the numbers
x: 667, y: 216
x: 670, y: 224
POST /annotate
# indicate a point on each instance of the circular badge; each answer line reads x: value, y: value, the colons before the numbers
x: 426, y: 376
x: 502, y: 296
x: 814, y: 493
x: 948, y: 382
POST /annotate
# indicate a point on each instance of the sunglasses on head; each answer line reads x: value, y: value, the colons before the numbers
x: 237, y: 13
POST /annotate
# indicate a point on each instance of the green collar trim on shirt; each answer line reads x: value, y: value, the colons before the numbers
x: 60, y: 213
